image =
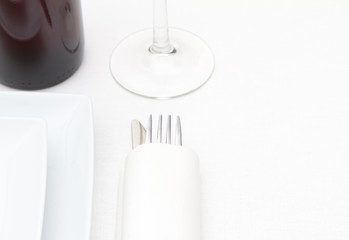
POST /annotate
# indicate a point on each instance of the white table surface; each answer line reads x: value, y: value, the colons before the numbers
x: 271, y: 126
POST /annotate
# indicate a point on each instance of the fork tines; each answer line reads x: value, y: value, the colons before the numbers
x: 167, y: 138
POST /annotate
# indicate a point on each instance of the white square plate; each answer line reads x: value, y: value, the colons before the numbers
x: 23, y: 154
x: 70, y: 158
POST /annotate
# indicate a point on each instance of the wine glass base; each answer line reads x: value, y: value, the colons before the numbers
x: 162, y: 76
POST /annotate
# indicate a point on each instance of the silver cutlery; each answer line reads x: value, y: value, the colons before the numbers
x: 140, y: 135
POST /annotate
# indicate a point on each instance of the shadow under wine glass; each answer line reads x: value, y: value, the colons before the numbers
x: 162, y: 62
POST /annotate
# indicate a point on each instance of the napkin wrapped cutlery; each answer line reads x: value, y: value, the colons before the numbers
x: 161, y: 187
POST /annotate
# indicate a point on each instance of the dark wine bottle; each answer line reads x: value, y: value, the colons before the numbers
x: 41, y: 42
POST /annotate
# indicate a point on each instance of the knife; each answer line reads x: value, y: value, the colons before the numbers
x: 138, y: 133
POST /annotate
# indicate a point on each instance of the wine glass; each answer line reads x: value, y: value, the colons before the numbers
x: 162, y: 62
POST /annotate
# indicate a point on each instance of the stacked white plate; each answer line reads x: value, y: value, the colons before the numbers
x: 36, y: 130
x: 22, y: 177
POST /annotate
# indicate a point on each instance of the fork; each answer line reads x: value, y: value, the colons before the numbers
x: 168, y: 137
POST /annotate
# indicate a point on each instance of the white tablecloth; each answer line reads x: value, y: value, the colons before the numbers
x: 271, y: 125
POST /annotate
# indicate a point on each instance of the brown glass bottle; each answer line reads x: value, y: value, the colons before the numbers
x: 41, y: 42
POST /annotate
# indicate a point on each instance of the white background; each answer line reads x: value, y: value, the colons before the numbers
x: 271, y: 126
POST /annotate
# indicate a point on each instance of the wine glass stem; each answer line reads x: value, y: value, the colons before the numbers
x: 161, y: 41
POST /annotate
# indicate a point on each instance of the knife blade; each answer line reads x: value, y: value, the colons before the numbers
x: 138, y: 133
